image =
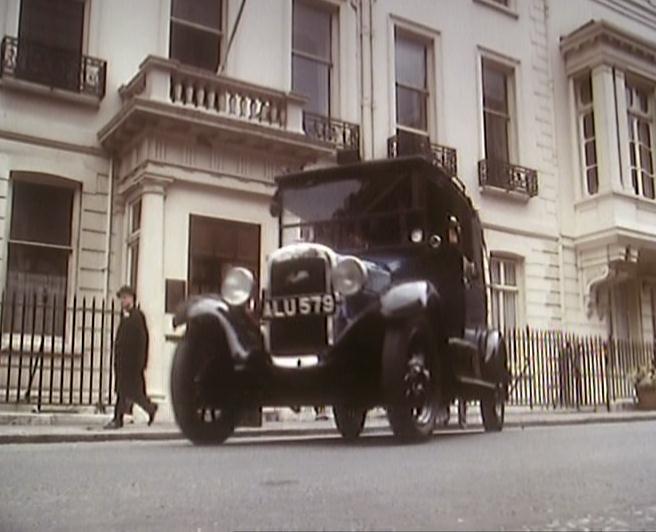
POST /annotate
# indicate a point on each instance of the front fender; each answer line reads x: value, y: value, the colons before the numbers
x: 241, y: 334
x: 495, y: 363
x: 409, y: 298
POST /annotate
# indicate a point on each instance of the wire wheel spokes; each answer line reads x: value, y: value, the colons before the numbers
x: 209, y: 414
x: 418, y: 384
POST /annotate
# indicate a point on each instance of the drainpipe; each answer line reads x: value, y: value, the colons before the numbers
x: 109, y: 226
x: 371, y: 75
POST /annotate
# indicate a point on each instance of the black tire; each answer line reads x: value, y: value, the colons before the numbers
x: 493, y: 410
x: 410, y: 380
x: 200, y: 424
x: 349, y: 421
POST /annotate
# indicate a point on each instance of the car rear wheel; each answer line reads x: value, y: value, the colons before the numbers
x: 202, y: 424
x: 349, y: 421
x: 410, y: 380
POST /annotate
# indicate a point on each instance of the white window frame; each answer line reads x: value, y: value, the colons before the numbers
x: 510, y: 69
x: 133, y: 241
x: 634, y: 114
x: 71, y: 281
x: 429, y: 90
x: 508, y: 8
x: 333, y: 10
x: 497, y: 290
x: 582, y: 110
x: 220, y: 32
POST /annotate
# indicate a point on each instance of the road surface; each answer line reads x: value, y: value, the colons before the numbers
x: 597, y: 477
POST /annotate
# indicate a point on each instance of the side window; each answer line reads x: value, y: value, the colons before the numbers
x: 505, y: 292
x: 497, y: 111
x: 40, y: 248
x: 196, y: 33
x: 312, y: 55
x: 50, y: 42
x: 587, y: 136
x: 412, y: 87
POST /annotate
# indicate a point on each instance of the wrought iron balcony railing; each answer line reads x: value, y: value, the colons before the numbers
x: 442, y: 156
x: 506, y: 176
x: 53, y: 67
x: 343, y: 135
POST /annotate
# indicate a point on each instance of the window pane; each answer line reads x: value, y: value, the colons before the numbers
x: 647, y: 186
x: 643, y: 100
x: 134, y: 264
x: 312, y: 80
x: 495, y: 95
x: 41, y: 213
x: 495, y: 271
x: 634, y: 180
x: 496, y: 309
x: 510, y: 277
x: 588, y: 126
x: 37, y: 270
x: 411, y: 108
x: 35, y: 275
x: 411, y: 62
x: 590, y: 153
x: 510, y: 310
x: 592, y: 180
x: 51, y: 43
x: 53, y: 23
x: 204, y: 12
x: 496, y: 137
x: 644, y: 136
x: 195, y: 47
x: 632, y: 153
x: 585, y: 90
x: 646, y: 160
x: 136, y: 216
x: 311, y: 33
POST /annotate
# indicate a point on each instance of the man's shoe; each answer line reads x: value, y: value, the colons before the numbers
x: 151, y: 414
x: 113, y: 425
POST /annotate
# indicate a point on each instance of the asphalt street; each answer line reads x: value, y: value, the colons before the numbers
x: 588, y: 477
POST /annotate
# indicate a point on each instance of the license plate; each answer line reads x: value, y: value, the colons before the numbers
x: 294, y: 306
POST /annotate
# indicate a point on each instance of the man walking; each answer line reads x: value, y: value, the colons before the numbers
x: 130, y: 360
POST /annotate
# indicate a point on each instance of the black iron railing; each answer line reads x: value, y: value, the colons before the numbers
x: 343, y: 135
x: 57, y: 352
x: 506, y: 176
x: 442, y: 156
x: 553, y: 369
x: 52, y: 67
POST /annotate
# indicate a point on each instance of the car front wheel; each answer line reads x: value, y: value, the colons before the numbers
x: 202, y: 424
x: 410, y: 380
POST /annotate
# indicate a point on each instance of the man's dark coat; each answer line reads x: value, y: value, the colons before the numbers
x: 131, y: 354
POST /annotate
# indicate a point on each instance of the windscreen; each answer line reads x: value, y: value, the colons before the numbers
x: 352, y: 213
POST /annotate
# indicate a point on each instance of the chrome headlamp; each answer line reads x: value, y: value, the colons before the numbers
x: 349, y: 276
x: 237, y: 287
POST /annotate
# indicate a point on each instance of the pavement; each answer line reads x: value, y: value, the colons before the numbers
x: 58, y: 427
x: 595, y: 476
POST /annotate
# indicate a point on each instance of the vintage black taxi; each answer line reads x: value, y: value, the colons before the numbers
x: 376, y: 297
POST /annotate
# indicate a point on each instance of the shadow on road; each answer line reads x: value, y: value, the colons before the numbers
x: 367, y: 440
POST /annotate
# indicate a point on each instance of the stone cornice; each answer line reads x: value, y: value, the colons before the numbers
x: 599, y: 42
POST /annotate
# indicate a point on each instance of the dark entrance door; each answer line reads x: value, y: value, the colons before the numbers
x: 216, y: 245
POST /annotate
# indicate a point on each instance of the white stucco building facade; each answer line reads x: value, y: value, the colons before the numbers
x: 162, y: 151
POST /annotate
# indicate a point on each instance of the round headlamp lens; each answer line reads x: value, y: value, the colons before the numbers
x: 349, y: 276
x: 237, y: 286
